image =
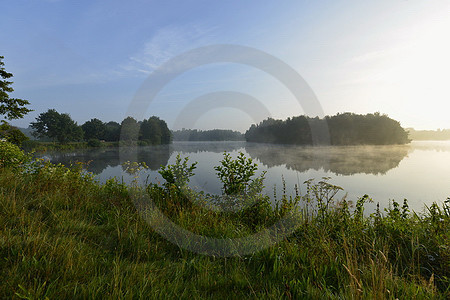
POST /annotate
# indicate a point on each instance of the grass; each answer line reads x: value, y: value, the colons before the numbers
x: 63, y: 235
x: 38, y: 146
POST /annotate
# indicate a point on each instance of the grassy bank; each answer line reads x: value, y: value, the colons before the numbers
x: 63, y: 235
x: 39, y: 146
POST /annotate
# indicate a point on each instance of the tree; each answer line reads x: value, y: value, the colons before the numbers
x: 94, y: 129
x: 112, y: 131
x: 344, y: 129
x: 12, y: 108
x: 155, y: 131
x: 129, y: 129
x: 57, y: 126
x: 12, y: 134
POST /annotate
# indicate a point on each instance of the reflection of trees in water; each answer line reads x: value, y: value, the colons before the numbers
x: 216, y: 147
x: 341, y: 160
x: 98, y: 160
x: 154, y: 156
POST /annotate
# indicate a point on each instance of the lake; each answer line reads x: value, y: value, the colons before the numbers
x: 419, y: 172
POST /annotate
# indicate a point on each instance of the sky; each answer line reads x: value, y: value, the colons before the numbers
x: 92, y: 58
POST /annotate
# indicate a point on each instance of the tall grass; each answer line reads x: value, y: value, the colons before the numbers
x: 64, y: 235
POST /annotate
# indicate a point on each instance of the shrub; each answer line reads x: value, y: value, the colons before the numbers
x: 11, y: 156
x: 179, y: 173
x: 94, y: 143
x: 235, y: 174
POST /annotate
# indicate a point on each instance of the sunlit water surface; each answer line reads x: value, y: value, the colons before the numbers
x: 419, y: 172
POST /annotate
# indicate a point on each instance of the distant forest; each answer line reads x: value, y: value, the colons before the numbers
x: 344, y: 129
x: 207, y: 135
x: 437, y: 135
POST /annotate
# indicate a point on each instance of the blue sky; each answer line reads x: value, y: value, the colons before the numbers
x: 89, y: 58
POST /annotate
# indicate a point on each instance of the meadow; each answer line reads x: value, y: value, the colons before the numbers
x: 65, y: 235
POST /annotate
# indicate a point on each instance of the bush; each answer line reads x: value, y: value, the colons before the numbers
x: 12, y: 134
x: 94, y: 143
x: 179, y: 173
x: 235, y: 174
x: 11, y: 156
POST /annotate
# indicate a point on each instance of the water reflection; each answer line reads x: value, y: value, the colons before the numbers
x: 418, y: 172
x: 340, y: 160
x: 97, y: 160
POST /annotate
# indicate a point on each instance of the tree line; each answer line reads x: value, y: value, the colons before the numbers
x: 437, y: 135
x: 207, y: 135
x: 344, y: 129
x: 60, y: 127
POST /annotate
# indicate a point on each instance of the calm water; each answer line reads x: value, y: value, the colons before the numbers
x: 419, y: 172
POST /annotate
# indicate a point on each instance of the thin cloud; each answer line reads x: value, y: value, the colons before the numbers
x: 166, y: 43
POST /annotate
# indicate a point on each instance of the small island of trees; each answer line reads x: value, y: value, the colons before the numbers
x: 344, y: 129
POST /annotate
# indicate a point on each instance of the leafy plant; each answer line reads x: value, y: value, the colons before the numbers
x: 179, y: 173
x: 11, y: 155
x: 323, y: 192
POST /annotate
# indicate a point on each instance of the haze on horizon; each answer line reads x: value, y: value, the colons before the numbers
x: 89, y: 58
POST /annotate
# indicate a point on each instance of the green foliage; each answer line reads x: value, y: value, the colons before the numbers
x: 207, y: 135
x: 11, y: 156
x: 94, y: 129
x: 344, y: 129
x: 94, y: 143
x: 129, y: 130
x: 64, y: 235
x: 57, y: 126
x: 12, y: 108
x: 235, y: 174
x: 112, y: 131
x: 179, y: 173
x: 62, y: 128
x: 155, y: 131
x: 12, y: 134
x: 323, y: 193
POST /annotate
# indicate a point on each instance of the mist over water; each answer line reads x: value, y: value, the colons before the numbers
x: 418, y: 172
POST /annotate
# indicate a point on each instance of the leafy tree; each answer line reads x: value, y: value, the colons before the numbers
x: 94, y: 129
x: 166, y: 134
x: 150, y: 131
x: 129, y: 129
x: 155, y: 131
x: 12, y: 134
x: 112, y: 131
x: 12, y: 108
x: 57, y: 126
